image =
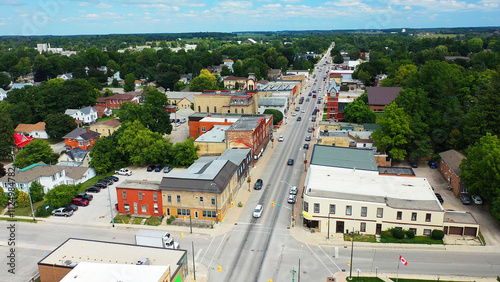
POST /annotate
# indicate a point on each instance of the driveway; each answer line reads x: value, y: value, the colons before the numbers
x: 58, y: 147
x: 181, y: 133
x: 489, y: 228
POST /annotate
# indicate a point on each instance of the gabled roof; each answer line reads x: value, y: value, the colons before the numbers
x: 453, y: 159
x: 24, y: 127
x: 382, y: 96
x: 343, y: 158
x: 110, y: 122
x: 77, y: 153
x: 21, y: 140
x: 85, y: 111
x: 231, y: 77
x: 85, y: 134
x: 127, y: 97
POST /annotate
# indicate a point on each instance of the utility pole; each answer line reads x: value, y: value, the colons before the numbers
x: 194, y: 267
x: 352, y: 248
x: 190, y: 224
x: 111, y: 208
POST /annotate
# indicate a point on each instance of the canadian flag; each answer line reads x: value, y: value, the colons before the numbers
x: 403, y: 261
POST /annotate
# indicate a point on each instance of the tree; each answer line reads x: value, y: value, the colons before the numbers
x: 58, y: 125
x: 205, y: 81
x: 38, y: 150
x: 185, y: 153
x: 60, y: 195
x: 6, y: 135
x: 225, y: 71
x: 277, y: 115
x: 36, y: 192
x: 282, y: 63
x: 23, y: 199
x: 4, y: 81
x: 104, y: 154
x: 140, y: 145
x: 4, y: 199
x: 129, y: 84
x: 481, y: 168
x: 358, y: 112
x: 3, y: 172
x: 394, y: 132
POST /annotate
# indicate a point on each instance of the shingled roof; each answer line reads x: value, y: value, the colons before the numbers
x: 85, y: 134
x: 382, y: 96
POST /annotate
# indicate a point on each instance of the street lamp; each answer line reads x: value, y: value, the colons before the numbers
x: 111, y: 208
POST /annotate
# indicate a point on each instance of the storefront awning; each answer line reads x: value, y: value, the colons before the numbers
x: 307, y: 215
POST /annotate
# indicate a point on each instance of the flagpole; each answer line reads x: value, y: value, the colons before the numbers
x: 397, y: 274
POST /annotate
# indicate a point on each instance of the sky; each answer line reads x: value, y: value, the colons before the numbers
x: 74, y: 17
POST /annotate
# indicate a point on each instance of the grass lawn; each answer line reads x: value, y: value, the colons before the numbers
x: 366, y: 279
x: 106, y: 118
x: 416, y: 240
x: 154, y: 220
x: 122, y: 218
x: 19, y: 219
x: 138, y: 220
x: 26, y: 211
x: 93, y: 181
x: 361, y: 238
x: 418, y: 280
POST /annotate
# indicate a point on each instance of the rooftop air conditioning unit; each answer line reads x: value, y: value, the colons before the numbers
x: 143, y: 261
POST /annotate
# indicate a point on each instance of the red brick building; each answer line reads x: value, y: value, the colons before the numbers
x: 251, y: 131
x: 379, y: 97
x: 199, y: 123
x: 139, y: 197
x: 332, y: 102
x: 115, y: 101
x: 449, y: 168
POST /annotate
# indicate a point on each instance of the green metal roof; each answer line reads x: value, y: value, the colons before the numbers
x: 371, y: 126
x: 32, y: 166
x: 344, y: 157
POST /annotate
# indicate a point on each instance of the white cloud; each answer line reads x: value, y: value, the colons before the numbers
x: 11, y: 3
x: 270, y: 6
x: 3, y: 24
x: 183, y: 3
x: 235, y: 4
x: 290, y: 1
x: 92, y: 16
x: 104, y: 6
x: 344, y: 3
x: 82, y: 11
x: 407, y: 8
x: 84, y: 4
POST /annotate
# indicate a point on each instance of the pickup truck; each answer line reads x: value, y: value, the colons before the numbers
x: 123, y: 171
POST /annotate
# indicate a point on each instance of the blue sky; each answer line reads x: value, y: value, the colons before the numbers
x: 68, y: 17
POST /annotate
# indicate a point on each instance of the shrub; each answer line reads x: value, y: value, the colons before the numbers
x: 41, y: 211
x: 398, y: 233
x: 410, y: 234
x: 437, y: 234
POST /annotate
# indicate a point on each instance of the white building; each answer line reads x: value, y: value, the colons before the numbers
x: 87, y: 115
x: 36, y: 130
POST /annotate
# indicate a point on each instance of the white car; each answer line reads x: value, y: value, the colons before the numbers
x: 303, y: 110
x: 294, y: 114
x: 293, y: 190
x: 257, y: 212
x: 281, y: 138
x: 62, y: 212
x: 292, y: 199
x: 477, y: 200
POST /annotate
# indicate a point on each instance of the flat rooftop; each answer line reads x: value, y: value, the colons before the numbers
x: 90, y: 271
x: 353, y: 184
x: 215, y: 135
x: 138, y: 184
x: 75, y: 250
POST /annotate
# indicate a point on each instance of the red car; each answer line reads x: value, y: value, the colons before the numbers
x: 80, y: 202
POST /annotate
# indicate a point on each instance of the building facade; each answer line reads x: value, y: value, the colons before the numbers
x: 80, y: 138
x: 107, y: 127
x: 449, y: 168
x: 139, y: 198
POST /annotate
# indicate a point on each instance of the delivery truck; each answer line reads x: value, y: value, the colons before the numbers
x: 155, y: 238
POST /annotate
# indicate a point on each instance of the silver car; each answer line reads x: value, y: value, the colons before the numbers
x: 62, y: 212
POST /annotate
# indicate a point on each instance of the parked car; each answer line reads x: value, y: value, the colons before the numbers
x: 177, y: 124
x: 294, y: 190
x: 477, y: 200
x: 465, y: 199
x: 440, y: 199
x: 114, y: 178
x: 258, y: 184
x: 167, y: 169
x: 290, y: 162
x: 281, y: 138
x: 80, y: 202
x: 93, y: 189
x: 62, y: 212
x: 101, y: 185
x: 108, y: 182
x: 299, y: 118
x: 151, y: 168
x: 183, y: 120
x: 72, y: 207
x: 308, y: 138
x: 432, y: 164
x: 257, y: 212
x: 306, y: 146
x: 309, y: 129
x: 313, y: 119
x: 84, y: 196
x: 123, y: 171
x: 292, y: 199
x: 414, y: 164
x: 158, y: 168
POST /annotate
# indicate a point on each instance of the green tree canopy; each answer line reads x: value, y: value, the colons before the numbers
x: 36, y: 192
x: 58, y: 125
x: 277, y: 115
x: 205, y: 81
x: 6, y: 135
x: 184, y: 153
x: 394, y: 132
x: 129, y: 83
x: 38, y: 150
x: 60, y: 195
x: 358, y: 112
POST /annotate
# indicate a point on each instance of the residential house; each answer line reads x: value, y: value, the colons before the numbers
x: 48, y: 176
x: 231, y: 81
x: 205, y: 191
x: 182, y: 100
x: 186, y: 78
x: 66, y: 76
x: 137, y: 83
x: 344, y: 193
x: 3, y: 94
x: 20, y: 140
x: 139, y: 198
x: 80, y: 138
x: 115, y: 101
x: 229, y: 63
x: 36, y: 130
x: 87, y: 115
x: 379, y: 97
x: 75, y: 157
x: 90, y: 260
x: 449, y: 166
x: 249, y: 40
x: 107, y: 127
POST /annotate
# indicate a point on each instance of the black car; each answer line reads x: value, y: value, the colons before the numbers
x: 440, y: 199
x: 93, y: 189
x: 108, y: 182
x: 299, y: 119
x: 258, y: 185
x: 101, y: 185
x: 306, y: 146
x: 290, y: 162
x: 465, y: 199
x: 151, y: 168
x: 84, y: 196
x: 158, y: 168
x: 72, y: 207
x: 114, y: 178
x: 313, y: 119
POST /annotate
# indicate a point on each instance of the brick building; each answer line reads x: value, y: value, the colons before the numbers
x: 200, y: 123
x: 251, y: 131
x: 379, y: 97
x: 449, y: 168
x: 139, y: 197
x: 80, y: 138
x: 225, y: 101
x: 115, y: 101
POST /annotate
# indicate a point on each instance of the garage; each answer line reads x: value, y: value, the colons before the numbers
x: 453, y: 230
x: 470, y: 231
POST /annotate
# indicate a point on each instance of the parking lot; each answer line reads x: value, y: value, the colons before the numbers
x: 488, y: 226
